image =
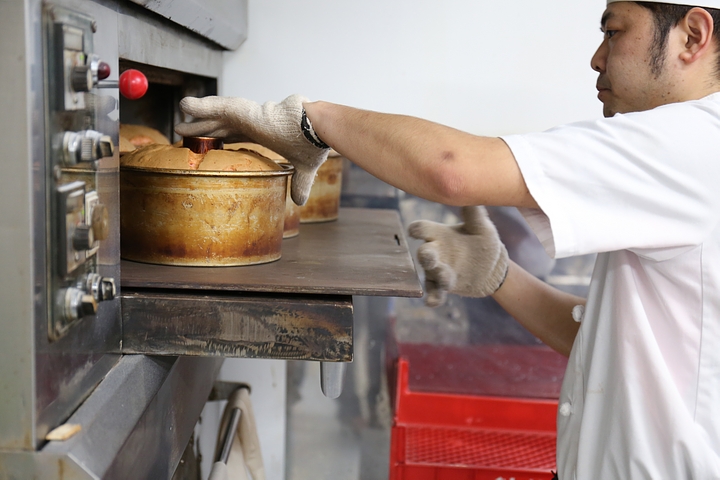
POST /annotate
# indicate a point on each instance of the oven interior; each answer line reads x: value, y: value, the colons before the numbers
x: 158, y: 108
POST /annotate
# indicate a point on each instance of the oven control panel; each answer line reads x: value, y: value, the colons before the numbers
x: 78, y: 220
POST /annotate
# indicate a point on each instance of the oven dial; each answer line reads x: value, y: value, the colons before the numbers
x: 83, y: 238
x: 84, y: 77
x: 81, y: 78
x: 76, y: 304
x: 86, y: 146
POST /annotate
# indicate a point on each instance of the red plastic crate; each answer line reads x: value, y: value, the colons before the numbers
x: 440, y: 436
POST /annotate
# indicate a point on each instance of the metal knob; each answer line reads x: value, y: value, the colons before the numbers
x: 85, y: 146
x: 107, y: 290
x: 76, y: 304
x: 83, y: 238
x: 87, y: 306
x: 81, y: 78
x: 105, y: 147
x: 101, y: 288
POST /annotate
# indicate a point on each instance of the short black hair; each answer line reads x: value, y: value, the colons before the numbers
x: 666, y: 16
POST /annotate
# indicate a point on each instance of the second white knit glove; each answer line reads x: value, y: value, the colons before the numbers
x: 467, y: 259
x: 281, y: 127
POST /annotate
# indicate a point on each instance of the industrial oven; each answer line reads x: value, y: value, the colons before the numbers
x: 125, y: 355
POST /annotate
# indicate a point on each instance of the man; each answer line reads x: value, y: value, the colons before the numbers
x: 641, y: 395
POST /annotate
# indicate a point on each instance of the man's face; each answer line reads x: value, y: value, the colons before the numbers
x: 626, y: 81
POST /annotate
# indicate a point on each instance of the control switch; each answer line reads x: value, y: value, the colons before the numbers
x: 85, y: 146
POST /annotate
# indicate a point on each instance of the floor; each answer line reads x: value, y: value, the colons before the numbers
x: 329, y: 439
x: 347, y: 438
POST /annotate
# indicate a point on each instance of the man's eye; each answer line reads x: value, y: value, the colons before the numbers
x: 610, y: 33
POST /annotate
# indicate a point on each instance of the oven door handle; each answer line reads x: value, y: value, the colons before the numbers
x: 219, y: 470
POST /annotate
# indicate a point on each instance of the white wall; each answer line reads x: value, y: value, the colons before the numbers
x: 484, y: 67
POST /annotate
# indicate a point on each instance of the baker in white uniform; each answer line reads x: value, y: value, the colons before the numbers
x: 641, y: 187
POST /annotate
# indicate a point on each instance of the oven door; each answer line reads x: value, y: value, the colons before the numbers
x: 222, y: 21
x: 60, y: 256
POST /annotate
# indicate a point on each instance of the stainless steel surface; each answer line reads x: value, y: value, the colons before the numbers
x: 61, y: 319
x: 222, y: 21
x: 135, y: 424
x: 364, y: 252
x: 80, y: 330
x: 231, y: 325
x: 19, y: 236
x: 46, y: 380
x: 332, y: 376
x: 152, y: 40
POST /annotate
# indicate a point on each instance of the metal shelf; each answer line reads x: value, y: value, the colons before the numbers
x: 299, y: 307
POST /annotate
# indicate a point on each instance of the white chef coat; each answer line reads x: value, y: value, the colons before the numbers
x: 641, y: 394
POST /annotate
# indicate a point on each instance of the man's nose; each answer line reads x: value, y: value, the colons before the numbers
x: 599, y: 60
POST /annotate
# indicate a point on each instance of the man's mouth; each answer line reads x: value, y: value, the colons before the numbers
x: 602, y: 84
x: 603, y: 89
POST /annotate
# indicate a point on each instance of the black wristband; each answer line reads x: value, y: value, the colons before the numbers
x: 309, y: 133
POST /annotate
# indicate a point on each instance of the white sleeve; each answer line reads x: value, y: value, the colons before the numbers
x: 643, y: 181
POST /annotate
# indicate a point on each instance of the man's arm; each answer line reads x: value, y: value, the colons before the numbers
x: 469, y: 259
x: 445, y: 165
x: 543, y: 310
x: 423, y: 158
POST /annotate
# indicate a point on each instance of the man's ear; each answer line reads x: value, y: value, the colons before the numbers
x: 697, y: 29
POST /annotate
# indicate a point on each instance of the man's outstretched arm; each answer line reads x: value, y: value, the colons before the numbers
x: 448, y: 166
x: 423, y: 158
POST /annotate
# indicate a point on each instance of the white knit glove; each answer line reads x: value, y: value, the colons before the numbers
x: 467, y: 259
x: 281, y: 127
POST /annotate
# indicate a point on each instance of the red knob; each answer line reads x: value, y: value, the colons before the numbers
x: 103, y: 71
x: 133, y: 84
